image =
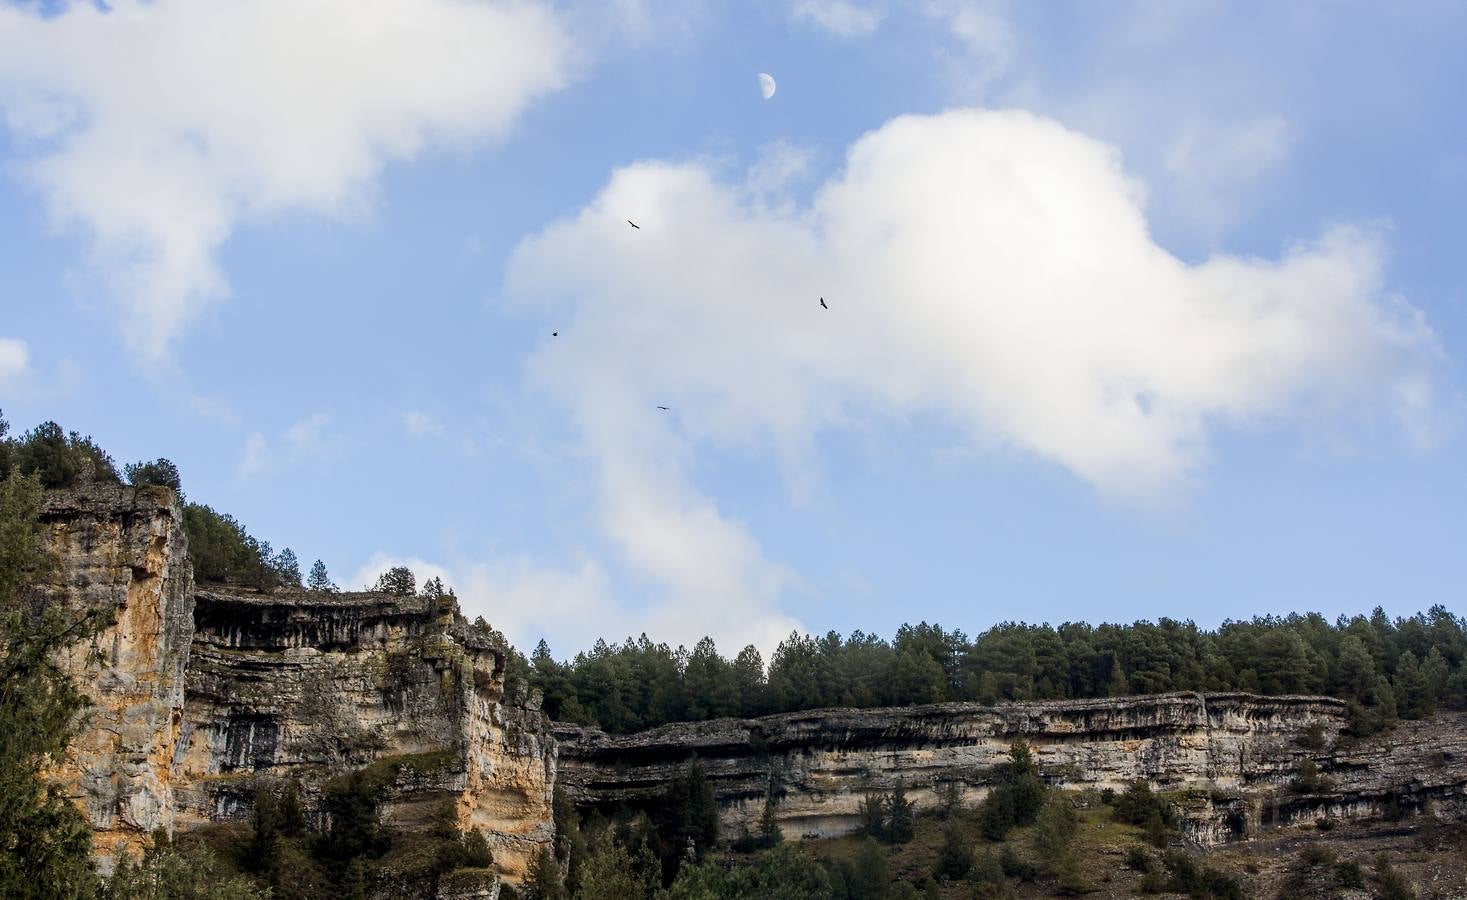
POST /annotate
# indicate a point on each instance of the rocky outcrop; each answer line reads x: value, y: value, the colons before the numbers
x: 121, y: 551
x: 305, y: 686
x: 198, y: 697
x: 1229, y: 758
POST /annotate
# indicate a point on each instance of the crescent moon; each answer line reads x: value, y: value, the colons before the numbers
x: 766, y: 85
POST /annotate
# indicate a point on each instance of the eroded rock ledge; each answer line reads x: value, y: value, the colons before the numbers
x: 1229, y: 756
x: 200, y: 696
x: 306, y: 685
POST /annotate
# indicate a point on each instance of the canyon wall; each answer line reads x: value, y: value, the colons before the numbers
x: 305, y: 686
x: 200, y: 696
x: 1228, y: 759
x: 121, y: 551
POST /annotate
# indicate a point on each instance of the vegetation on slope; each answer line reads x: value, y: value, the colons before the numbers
x: 1383, y: 667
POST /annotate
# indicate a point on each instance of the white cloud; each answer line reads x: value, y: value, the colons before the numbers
x: 572, y: 605
x: 839, y: 17
x: 779, y: 164
x: 309, y: 437
x: 1216, y: 166
x: 256, y: 457
x: 422, y: 425
x: 986, y: 37
x: 306, y: 438
x: 156, y: 127
x: 15, y: 361
x: 990, y: 270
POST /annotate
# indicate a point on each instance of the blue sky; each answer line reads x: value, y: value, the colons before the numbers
x: 1136, y: 309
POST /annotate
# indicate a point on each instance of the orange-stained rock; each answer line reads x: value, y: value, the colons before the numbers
x: 122, y: 550
x: 200, y: 696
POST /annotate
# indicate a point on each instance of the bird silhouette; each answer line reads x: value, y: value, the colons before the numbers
x: 662, y: 407
x: 822, y: 303
x: 555, y: 334
x: 634, y: 224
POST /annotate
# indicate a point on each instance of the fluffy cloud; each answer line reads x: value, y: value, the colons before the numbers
x: 158, y: 126
x: 989, y: 270
x: 15, y: 361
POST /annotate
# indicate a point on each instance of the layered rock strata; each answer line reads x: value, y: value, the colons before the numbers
x: 198, y: 697
x: 201, y: 696
x: 121, y: 551
x: 306, y: 686
x: 1228, y: 758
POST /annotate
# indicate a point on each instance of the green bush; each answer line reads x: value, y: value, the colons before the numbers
x: 1017, y: 798
x: 1139, y: 804
x: 1389, y: 883
x: 59, y: 459
x: 1138, y: 860
x: 1015, y: 866
x: 1348, y: 874
x: 1308, y: 780
x: 955, y: 859
x: 159, y: 472
x: 166, y: 872
x: 1316, y: 855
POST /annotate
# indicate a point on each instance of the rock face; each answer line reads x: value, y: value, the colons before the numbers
x: 122, y: 550
x: 306, y: 686
x: 1229, y: 757
x: 199, y: 696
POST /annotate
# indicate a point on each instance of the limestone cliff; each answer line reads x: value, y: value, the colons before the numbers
x: 1229, y: 757
x: 198, y: 696
x: 121, y: 550
x: 307, y: 685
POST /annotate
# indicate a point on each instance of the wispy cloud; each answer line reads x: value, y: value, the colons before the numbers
x: 1215, y: 166
x: 422, y: 425
x: 15, y: 362
x: 255, y: 459
x: 307, y: 438
x: 841, y: 18
x: 159, y: 126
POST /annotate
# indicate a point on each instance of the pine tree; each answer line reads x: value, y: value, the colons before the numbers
x: 900, y: 826
x: 988, y: 692
x: 872, y: 813
x: 287, y: 568
x: 160, y: 472
x: 476, y: 850
x: 955, y: 859
x: 320, y: 582
x: 770, y: 834
x: 45, y: 841
x: 1413, y: 699
x: 397, y: 580
x: 1118, y: 686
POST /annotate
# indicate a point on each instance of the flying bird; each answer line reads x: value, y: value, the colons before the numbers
x: 555, y: 334
x: 822, y: 303
x: 662, y: 407
x: 634, y: 224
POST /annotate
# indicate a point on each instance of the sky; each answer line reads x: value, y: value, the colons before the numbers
x: 1136, y: 309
